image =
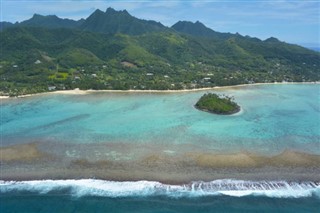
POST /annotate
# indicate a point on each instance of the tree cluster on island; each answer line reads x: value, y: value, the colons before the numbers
x: 213, y: 103
x: 114, y: 50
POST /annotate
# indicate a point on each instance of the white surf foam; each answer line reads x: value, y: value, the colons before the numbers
x: 236, y: 188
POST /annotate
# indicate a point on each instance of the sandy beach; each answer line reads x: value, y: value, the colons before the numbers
x: 84, y: 92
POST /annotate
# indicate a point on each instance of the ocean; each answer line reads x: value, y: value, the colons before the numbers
x: 154, y: 152
x: 143, y: 196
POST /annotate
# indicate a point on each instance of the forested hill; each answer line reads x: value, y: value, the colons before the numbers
x: 114, y: 50
x: 199, y: 29
x: 50, y: 21
x: 111, y: 22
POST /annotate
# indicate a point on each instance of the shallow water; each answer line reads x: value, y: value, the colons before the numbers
x: 273, y: 118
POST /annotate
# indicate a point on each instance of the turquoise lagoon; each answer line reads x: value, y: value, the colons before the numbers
x: 273, y: 118
x: 125, y: 127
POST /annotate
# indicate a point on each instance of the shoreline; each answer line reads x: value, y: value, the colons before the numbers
x: 234, y: 112
x: 84, y: 92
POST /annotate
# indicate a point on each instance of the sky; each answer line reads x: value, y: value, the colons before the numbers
x: 292, y: 21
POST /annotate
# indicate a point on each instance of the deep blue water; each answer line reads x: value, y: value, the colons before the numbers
x: 91, y: 195
x: 64, y: 204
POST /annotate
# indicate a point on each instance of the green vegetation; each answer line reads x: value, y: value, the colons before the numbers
x: 213, y: 103
x: 111, y: 22
x: 124, y: 52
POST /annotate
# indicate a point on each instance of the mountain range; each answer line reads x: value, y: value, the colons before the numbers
x: 115, y: 50
x: 110, y: 21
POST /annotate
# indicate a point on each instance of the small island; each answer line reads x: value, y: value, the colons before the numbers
x: 222, y: 105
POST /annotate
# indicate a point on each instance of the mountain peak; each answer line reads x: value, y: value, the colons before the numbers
x: 113, y: 21
x: 125, y: 12
x: 195, y: 29
x: 197, y: 24
x: 97, y: 11
x: 110, y: 10
x: 272, y: 39
x: 199, y: 29
x: 49, y: 21
x: 36, y: 15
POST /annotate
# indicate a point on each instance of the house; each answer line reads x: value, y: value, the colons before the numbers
x: 15, y: 66
x: 37, y: 62
x: 149, y: 74
x: 50, y: 88
x: 128, y: 64
x: 166, y: 76
x: 62, y: 86
x: 94, y: 75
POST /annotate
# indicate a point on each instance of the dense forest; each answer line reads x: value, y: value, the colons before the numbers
x: 114, y: 50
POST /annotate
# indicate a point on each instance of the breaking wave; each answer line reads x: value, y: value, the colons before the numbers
x: 230, y: 187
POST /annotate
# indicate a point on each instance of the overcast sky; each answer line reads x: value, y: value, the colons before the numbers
x: 293, y: 21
